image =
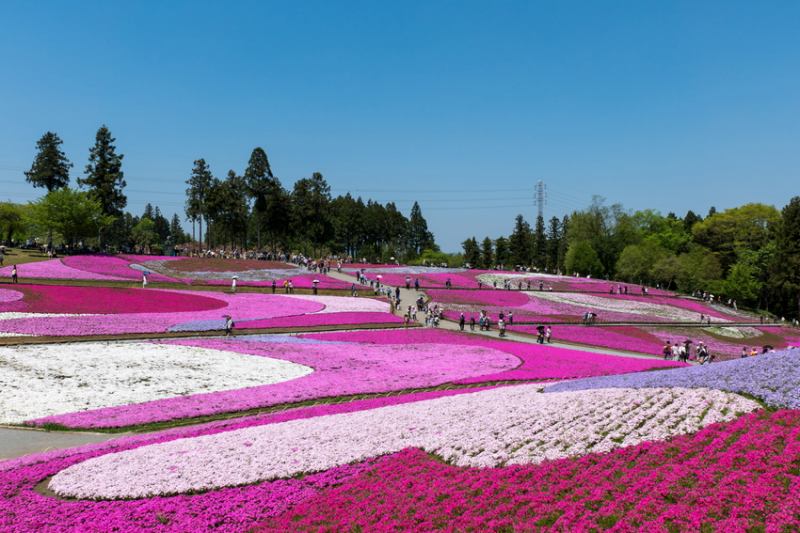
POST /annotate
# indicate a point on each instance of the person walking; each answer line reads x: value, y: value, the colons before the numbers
x: 274, y: 286
x: 144, y: 280
x: 548, y: 335
x: 461, y: 321
x: 501, y: 325
x: 229, y: 325
x: 408, y: 283
x: 472, y: 323
x: 233, y: 284
x: 511, y: 318
x: 416, y: 284
x: 14, y: 278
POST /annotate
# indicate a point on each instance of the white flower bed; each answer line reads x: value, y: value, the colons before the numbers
x: 500, y: 278
x: 48, y: 379
x: 490, y: 428
x: 600, y: 303
x: 733, y: 332
x: 344, y: 304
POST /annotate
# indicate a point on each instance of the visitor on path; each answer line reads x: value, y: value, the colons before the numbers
x: 416, y: 284
x: 408, y: 283
x: 228, y: 325
x: 14, y: 278
x: 744, y: 352
x: 448, y: 284
x: 540, y: 334
x: 676, y: 352
x: 472, y: 323
x: 315, y: 286
x: 461, y: 321
x: 667, y: 350
x: 510, y: 318
x: 501, y: 325
x: 144, y: 280
x: 2, y: 257
x: 274, y: 286
x: 548, y: 335
x: 291, y: 287
x: 233, y: 284
x: 397, y: 293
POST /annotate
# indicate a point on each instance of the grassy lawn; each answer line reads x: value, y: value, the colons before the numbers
x: 15, y: 256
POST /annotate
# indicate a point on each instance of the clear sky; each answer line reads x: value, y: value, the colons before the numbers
x: 463, y: 106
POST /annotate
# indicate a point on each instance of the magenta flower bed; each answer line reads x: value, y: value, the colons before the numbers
x: 322, y: 319
x: 22, y: 508
x: 105, y: 300
x: 55, y: 269
x: 239, y: 306
x: 735, y: 476
x: 111, y: 266
x: 537, y: 362
x: 340, y: 368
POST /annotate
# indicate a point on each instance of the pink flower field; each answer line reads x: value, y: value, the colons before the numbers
x: 51, y: 310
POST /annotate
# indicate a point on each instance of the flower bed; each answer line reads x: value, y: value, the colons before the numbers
x: 735, y: 476
x: 772, y: 377
x: 117, y: 267
x: 509, y: 425
x: 339, y: 369
x: 155, y: 311
x: 538, y: 362
x: 106, y: 300
x: 24, y: 508
x: 51, y: 379
x: 322, y: 319
x: 55, y: 269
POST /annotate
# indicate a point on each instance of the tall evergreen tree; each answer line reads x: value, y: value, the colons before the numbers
x: 310, y: 214
x: 502, y: 254
x: 553, y: 243
x: 197, y: 194
x: 520, y: 241
x: 419, y: 238
x: 104, y: 177
x: 785, y: 279
x: 50, y: 168
x: 260, y: 181
x: 540, y: 244
x: 487, y: 253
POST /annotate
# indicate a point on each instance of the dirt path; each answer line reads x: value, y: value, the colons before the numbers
x: 15, y: 442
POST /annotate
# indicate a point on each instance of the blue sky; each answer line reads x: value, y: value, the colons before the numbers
x: 460, y: 105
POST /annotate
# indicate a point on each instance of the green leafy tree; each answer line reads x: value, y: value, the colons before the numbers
x: 74, y: 215
x: 666, y: 270
x: 583, y: 259
x: 472, y: 252
x: 50, y: 168
x: 636, y: 261
x: 698, y: 269
x: 11, y: 220
x: 104, y: 177
x: 144, y: 234
x: 228, y: 210
x: 553, y: 243
x: 743, y: 283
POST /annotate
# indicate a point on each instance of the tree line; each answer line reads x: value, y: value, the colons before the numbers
x: 247, y: 210
x: 749, y: 253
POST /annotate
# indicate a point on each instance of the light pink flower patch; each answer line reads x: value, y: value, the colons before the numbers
x: 339, y: 369
x: 8, y: 296
x: 55, y: 269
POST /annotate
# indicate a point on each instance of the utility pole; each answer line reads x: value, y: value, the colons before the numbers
x: 541, y: 197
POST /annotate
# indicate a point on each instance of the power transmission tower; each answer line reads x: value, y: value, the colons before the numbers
x: 541, y: 197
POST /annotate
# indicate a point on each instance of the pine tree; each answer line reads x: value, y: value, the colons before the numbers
x: 197, y: 194
x: 540, y: 244
x: 487, y: 253
x: 50, y: 168
x: 553, y: 244
x: 419, y: 238
x: 520, y: 243
x: 104, y: 176
x: 259, y: 179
